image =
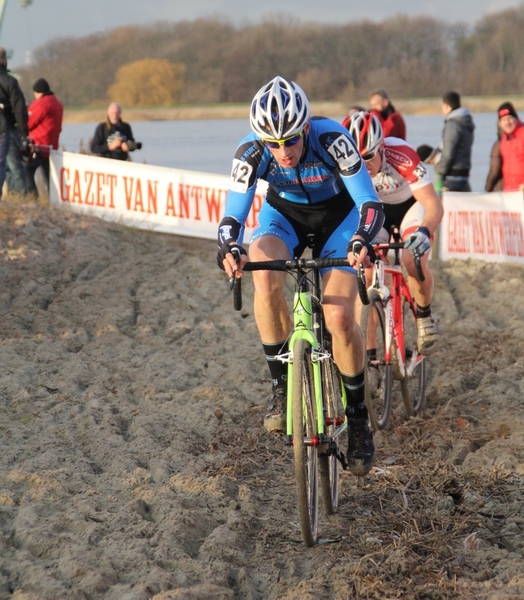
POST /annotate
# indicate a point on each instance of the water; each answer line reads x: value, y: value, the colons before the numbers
x: 428, y: 130
x: 209, y: 145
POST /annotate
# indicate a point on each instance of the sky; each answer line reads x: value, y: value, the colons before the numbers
x: 23, y: 30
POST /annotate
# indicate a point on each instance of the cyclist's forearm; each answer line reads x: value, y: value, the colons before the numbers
x: 433, y: 217
x: 434, y: 210
x: 432, y: 221
x: 228, y: 231
x: 371, y: 220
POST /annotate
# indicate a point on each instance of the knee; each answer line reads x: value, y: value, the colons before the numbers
x: 267, y: 283
x: 340, y: 319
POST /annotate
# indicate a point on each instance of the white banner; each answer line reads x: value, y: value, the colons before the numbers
x: 485, y: 226
x: 489, y: 227
x: 148, y: 197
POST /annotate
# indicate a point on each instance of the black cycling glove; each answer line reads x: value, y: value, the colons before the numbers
x: 371, y: 252
x: 224, y: 249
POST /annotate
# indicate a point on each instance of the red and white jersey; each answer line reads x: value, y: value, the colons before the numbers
x: 402, y: 172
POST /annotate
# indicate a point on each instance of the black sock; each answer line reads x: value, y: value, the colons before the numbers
x: 356, y: 402
x: 277, y: 368
x: 423, y: 311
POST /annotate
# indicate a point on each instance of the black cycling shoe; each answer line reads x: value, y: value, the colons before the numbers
x: 275, y: 417
x: 361, y: 448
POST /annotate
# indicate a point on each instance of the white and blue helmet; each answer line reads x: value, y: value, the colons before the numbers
x: 279, y: 110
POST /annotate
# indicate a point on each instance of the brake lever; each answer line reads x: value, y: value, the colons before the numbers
x: 235, y: 283
x: 236, y: 254
x: 361, y: 273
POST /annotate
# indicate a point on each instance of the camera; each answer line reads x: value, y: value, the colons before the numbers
x: 26, y: 148
x: 131, y: 144
x: 115, y: 136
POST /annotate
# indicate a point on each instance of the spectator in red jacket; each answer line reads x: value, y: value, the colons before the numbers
x: 511, y: 147
x: 45, y: 124
x: 392, y: 122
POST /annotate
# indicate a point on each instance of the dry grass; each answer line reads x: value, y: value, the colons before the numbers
x: 416, y: 106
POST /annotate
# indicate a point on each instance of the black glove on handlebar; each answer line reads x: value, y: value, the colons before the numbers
x: 371, y: 252
x: 225, y: 249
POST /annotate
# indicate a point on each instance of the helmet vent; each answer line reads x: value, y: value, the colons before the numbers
x: 279, y: 110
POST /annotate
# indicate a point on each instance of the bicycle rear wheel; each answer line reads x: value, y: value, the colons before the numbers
x: 378, y: 372
x: 305, y: 441
x: 329, y: 464
x: 413, y: 384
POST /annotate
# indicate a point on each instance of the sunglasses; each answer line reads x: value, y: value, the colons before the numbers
x: 369, y: 156
x: 288, y: 142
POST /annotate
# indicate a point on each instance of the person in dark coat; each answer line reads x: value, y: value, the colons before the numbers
x: 114, y: 138
x: 13, y: 113
x: 15, y: 172
x: 494, y: 181
x: 457, y: 141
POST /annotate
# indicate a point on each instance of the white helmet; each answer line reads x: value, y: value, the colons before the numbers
x: 279, y: 110
x: 366, y: 131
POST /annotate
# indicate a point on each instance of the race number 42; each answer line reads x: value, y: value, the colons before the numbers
x: 344, y: 153
x: 240, y: 175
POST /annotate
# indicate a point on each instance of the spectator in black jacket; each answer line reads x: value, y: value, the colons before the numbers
x: 494, y: 181
x: 13, y: 113
x: 114, y: 138
x: 457, y: 140
x: 15, y: 171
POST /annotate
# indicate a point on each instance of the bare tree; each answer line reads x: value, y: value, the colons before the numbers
x: 410, y: 57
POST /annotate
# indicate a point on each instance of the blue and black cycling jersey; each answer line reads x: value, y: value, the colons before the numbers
x: 330, y: 167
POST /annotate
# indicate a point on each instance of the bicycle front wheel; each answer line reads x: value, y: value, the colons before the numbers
x: 305, y: 441
x: 378, y: 372
x: 414, y: 382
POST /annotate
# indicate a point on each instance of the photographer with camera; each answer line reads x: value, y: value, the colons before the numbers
x: 13, y: 113
x: 114, y: 138
x: 45, y: 125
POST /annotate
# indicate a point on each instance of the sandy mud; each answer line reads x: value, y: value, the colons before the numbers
x: 133, y: 463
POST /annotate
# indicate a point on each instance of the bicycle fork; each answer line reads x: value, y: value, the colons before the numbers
x: 305, y: 328
x: 406, y: 364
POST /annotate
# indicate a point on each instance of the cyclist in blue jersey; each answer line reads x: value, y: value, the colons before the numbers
x: 317, y: 184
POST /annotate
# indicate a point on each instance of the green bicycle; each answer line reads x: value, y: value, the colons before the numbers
x: 316, y: 419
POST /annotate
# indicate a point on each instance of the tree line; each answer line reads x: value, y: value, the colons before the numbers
x: 214, y: 61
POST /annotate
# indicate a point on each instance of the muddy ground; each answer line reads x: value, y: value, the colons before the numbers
x: 133, y: 463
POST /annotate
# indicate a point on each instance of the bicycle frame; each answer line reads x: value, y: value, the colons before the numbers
x: 304, y: 328
x: 392, y: 300
x: 317, y: 400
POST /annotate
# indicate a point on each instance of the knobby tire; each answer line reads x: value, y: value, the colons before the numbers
x: 378, y: 375
x: 414, y: 386
x: 305, y: 454
x: 329, y: 464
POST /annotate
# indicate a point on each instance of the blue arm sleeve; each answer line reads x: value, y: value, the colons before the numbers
x: 232, y: 224
x: 243, y: 183
x: 361, y: 188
